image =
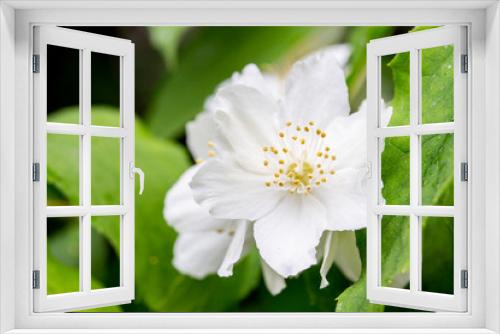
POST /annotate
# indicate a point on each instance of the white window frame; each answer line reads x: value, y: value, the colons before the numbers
x: 86, y: 44
x: 414, y: 43
x: 17, y: 17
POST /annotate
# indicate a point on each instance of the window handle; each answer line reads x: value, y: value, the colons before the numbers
x: 135, y: 170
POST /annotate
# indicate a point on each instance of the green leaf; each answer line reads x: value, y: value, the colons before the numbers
x: 65, y: 278
x: 212, y: 54
x: 437, y: 174
x: 167, y: 40
x: 358, y: 39
x: 159, y: 285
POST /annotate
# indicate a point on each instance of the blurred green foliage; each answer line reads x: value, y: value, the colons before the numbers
x: 196, y: 60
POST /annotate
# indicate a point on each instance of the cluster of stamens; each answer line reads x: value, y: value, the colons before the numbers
x: 302, y: 161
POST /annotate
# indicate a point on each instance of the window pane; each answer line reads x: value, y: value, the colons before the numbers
x: 437, y: 254
x: 105, y: 88
x: 395, y: 252
x: 396, y: 68
x: 437, y: 84
x: 63, y: 247
x: 63, y: 81
x: 395, y: 170
x: 437, y: 169
x: 105, y: 187
x: 105, y: 258
x: 63, y: 165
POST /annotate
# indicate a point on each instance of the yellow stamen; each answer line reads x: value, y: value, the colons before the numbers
x: 282, y: 135
x: 289, y: 124
x: 266, y: 163
x: 319, y: 154
x: 211, y: 153
x: 285, y: 150
x: 268, y: 184
x: 265, y: 149
x: 211, y: 143
x: 281, y: 162
x: 311, y: 123
x: 302, y: 141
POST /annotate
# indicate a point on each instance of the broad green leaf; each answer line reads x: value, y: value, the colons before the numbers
x: 358, y: 39
x: 212, y: 54
x: 65, y: 278
x: 167, y: 40
x: 159, y: 286
x: 437, y: 173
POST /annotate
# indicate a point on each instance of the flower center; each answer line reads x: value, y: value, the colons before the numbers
x: 302, y: 161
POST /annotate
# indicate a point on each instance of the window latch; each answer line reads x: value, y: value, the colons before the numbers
x: 135, y: 170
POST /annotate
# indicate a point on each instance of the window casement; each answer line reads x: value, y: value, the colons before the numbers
x: 83, y: 132
x: 24, y: 210
x: 419, y: 126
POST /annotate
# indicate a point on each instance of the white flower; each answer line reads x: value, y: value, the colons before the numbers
x: 296, y: 167
x: 206, y: 245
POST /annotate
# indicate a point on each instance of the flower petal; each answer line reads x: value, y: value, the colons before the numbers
x: 274, y: 282
x: 347, y: 256
x: 202, y: 136
x: 340, y: 247
x: 287, y: 236
x: 329, y: 249
x: 316, y: 90
x: 182, y: 212
x: 228, y: 191
x: 347, y: 137
x: 345, y: 198
x: 248, y: 123
x: 235, y: 249
x: 200, y: 254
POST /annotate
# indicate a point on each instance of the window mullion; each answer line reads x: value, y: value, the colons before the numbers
x: 85, y: 174
x: 415, y: 157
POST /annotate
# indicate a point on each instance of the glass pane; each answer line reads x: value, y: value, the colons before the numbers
x: 105, y: 187
x: 437, y: 84
x: 63, y: 165
x: 395, y: 170
x: 437, y: 254
x: 105, y: 88
x: 105, y: 258
x: 395, y: 251
x: 63, y: 247
x: 437, y: 169
x: 395, y: 87
x: 63, y: 83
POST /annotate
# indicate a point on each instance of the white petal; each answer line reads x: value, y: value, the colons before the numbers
x: 200, y: 254
x: 182, y: 212
x: 347, y: 137
x: 328, y: 257
x: 274, y: 282
x: 316, y: 90
x: 266, y: 84
x: 202, y: 136
x: 340, y: 247
x: 248, y: 123
x: 347, y: 256
x: 235, y: 249
x: 345, y: 199
x: 287, y: 236
x: 228, y: 191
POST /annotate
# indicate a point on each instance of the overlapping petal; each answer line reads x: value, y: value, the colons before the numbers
x: 340, y: 247
x: 228, y: 191
x: 288, y: 235
x: 316, y: 90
